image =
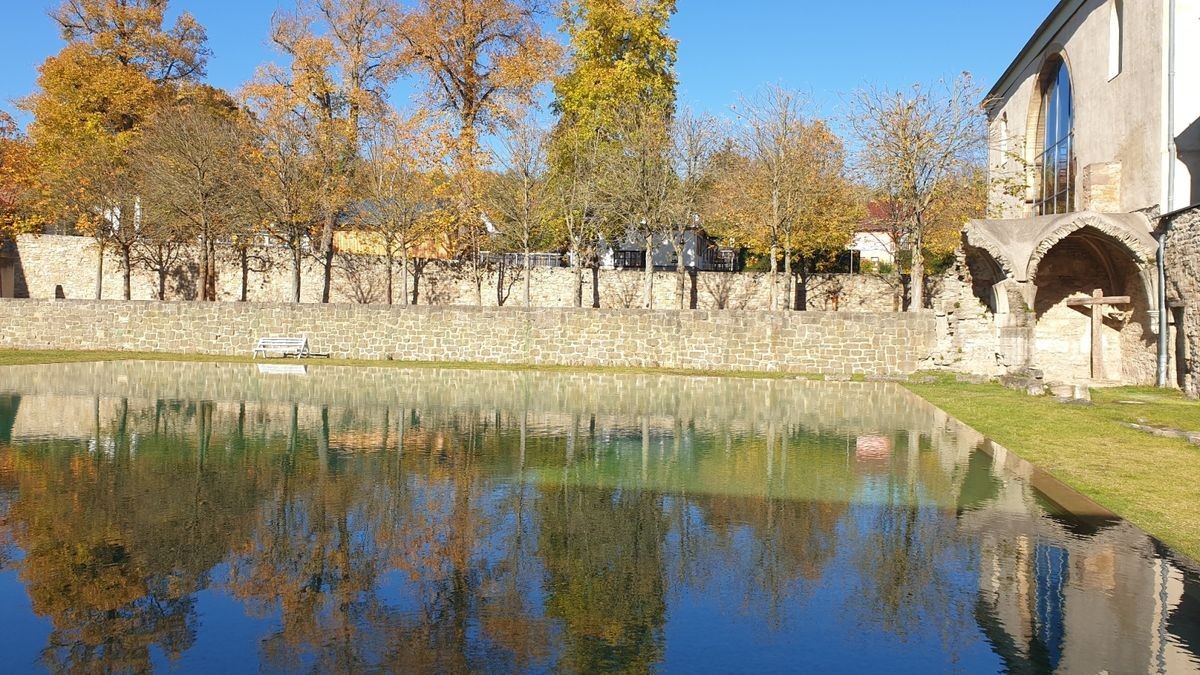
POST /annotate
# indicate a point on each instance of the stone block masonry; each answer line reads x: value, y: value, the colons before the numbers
x: 1183, y: 297
x: 729, y: 340
x: 44, y: 264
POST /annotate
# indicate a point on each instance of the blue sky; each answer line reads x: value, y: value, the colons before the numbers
x: 726, y: 47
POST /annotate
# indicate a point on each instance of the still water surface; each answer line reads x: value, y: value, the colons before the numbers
x: 207, y: 517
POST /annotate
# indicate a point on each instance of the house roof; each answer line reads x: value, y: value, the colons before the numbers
x: 1064, y: 10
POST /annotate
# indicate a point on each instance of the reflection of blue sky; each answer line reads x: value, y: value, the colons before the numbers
x: 23, y: 634
x: 826, y: 616
x: 228, y: 637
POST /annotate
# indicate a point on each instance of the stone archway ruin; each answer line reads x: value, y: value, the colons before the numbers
x: 1033, y: 279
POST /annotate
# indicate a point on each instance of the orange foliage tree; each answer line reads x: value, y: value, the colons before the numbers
x: 481, y: 59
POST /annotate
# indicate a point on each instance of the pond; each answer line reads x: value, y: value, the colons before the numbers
x: 209, y: 517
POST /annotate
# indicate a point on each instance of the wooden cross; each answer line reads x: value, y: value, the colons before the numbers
x: 1094, y: 304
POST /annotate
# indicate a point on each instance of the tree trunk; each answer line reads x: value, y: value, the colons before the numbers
x: 327, y: 256
x: 578, y: 262
x: 477, y: 273
x: 212, y: 271
x: 327, y: 273
x: 296, y: 263
x: 416, y: 277
x: 772, y: 287
x: 202, y: 282
x: 528, y: 274
x: 162, y: 282
x: 596, y: 283
x: 917, y: 279
x: 404, y: 273
x: 500, y: 270
x: 648, y: 271
x: 680, y: 279
x: 100, y: 272
x: 127, y: 266
x: 391, y: 260
x: 245, y: 260
x: 789, y: 281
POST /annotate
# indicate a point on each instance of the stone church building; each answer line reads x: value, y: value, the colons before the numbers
x: 1090, y: 271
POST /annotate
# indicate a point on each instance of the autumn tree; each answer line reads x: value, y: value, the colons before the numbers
x: 93, y: 98
x: 621, y: 61
x: 192, y: 178
x: 519, y: 196
x: 285, y: 180
x: 914, y: 148
x: 481, y: 60
x: 637, y: 182
x: 695, y: 142
x: 620, y: 55
x: 784, y: 191
x: 574, y: 196
x: 341, y: 62
x: 86, y: 118
x: 132, y: 33
x: 398, y: 186
x: 161, y: 247
x: 825, y: 214
x: 759, y: 192
x: 18, y: 180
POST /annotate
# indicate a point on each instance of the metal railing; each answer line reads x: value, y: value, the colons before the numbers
x: 518, y: 259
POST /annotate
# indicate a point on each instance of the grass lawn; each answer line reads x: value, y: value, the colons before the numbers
x: 1152, y: 481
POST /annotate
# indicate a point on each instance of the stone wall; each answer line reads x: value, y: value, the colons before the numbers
x: 797, y: 342
x: 48, y: 261
x: 1183, y: 298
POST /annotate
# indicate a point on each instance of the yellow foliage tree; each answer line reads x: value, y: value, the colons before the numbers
x: 619, y: 87
x: 782, y: 190
x: 481, y: 59
x: 118, y: 66
x: 916, y: 147
x: 342, y: 61
x: 86, y: 118
x: 132, y: 33
x: 19, y: 190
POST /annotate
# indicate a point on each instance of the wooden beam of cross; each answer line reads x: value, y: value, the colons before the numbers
x: 1094, y: 304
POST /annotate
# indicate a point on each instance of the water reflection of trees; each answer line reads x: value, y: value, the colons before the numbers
x: 117, y: 540
x: 460, y: 538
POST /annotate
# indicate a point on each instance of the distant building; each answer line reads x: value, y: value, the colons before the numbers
x: 875, y: 244
x: 699, y: 251
x: 873, y: 240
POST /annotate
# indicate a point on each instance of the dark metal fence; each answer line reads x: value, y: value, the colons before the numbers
x: 518, y: 259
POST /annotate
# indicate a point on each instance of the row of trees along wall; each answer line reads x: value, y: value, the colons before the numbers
x: 129, y: 146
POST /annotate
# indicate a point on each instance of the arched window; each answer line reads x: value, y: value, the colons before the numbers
x: 1116, y: 37
x: 1056, y: 164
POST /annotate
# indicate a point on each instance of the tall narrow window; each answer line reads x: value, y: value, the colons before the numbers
x: 1116, y: 37
x: 1056, y: 164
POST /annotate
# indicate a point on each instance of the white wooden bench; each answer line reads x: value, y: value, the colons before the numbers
x: 284, y: 346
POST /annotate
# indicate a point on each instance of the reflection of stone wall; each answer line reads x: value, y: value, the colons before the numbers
x: 843, y: 407
x: 51, y: 260
x: 1183, y: 290
x: 800, y: 342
